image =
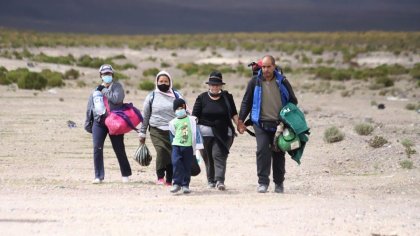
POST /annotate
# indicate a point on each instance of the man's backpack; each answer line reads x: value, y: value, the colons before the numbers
x: 256, y: 66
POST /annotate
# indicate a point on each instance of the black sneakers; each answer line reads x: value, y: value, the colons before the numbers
x: 279, y: 188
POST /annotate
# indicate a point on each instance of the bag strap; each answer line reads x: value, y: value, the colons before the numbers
x: 120, y: 113
x: 152, y: 97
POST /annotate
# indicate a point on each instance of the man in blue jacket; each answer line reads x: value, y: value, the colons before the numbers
x: 266, y: 94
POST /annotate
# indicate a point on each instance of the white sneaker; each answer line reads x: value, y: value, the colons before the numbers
x: 96, y: 181
x: 125, y: 179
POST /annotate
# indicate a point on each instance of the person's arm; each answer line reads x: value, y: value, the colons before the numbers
x: 292, y: 96
x: 89, y: 115
x: 197, y: 107
x: 146, y: 118
x: 246, y: 105
x: 115, y: 93
x: 234, y: 113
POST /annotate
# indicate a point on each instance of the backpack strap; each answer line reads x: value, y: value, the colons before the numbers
x: 152, y: 97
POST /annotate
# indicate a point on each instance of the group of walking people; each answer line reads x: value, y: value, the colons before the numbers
x: 177, y: 132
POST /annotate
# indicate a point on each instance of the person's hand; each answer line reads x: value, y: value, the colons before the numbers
x: 241, y: 127
x: 142, y: 140
x: 100, y: 87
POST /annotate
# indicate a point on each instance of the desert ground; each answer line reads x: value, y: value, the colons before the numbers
x: 343, y: 188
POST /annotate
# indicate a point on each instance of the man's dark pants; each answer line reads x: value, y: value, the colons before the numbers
x: 264, y: 156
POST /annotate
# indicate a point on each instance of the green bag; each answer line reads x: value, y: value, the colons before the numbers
x: 288, y: 140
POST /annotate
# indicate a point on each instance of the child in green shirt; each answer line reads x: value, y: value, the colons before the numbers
x: 186, y: 139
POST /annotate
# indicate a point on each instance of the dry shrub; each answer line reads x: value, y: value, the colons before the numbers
x: 363, y: 129
x: 333, y: 134
x: 377, y: 142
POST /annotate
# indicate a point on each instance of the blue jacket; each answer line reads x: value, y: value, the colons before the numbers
x: 251, y: 102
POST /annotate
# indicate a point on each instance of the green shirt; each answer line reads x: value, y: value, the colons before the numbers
x: 183, y: 134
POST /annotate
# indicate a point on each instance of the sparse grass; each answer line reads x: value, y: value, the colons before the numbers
x: 71, y: 74
x: 151, y: 72
x: 411, y: 106
x: 333, y: 134
x: 377, y: 142
x: 119, y: 75
x: 146, y: 85
x: 177, y: 86
x: 81, y: 84
x: 348, y: 43
x: 406, y: 164
x: 165, y: 65
x: 363, y: 129
x: 408, y: 145
x: 346, y: 93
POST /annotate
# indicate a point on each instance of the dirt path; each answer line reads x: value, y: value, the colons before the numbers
x: 346, y: 188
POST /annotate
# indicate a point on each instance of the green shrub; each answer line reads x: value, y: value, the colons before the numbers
x: 147, y: 85
x: 119, y: 75
x: 363, y: 129
x: 377, y: 142
x: 71, y: 74
x: 385, y: 81
x: 406, y: 164
x: 67, y: 60
x: 407, y: 143
x: 333, y: 134
x: 87, y: 61
x: 126, y: 66
x: 3, y: 76
x: 317, y: 50
x: 242, y: 70
x: 397, y: 69
x: 151, y: 72
x: 410, y: 106
x: 323, y: 72
x: 32, y: 80
x: 120, y: 56
x: 165, y: 65
x: 415, y: 71
x: 177, y: 85
x: 14, y: 75
x: 55, y: 79
x: 341, y: 75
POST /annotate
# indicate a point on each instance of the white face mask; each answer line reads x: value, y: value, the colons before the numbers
x: 181, y: 113
x: 107, y: 79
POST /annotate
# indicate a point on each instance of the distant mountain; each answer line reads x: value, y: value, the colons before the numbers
x: 205, y: 16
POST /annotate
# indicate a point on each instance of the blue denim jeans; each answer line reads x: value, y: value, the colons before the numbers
x: 182, y: 158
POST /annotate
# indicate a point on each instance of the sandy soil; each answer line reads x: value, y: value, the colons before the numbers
x: 345, y: 188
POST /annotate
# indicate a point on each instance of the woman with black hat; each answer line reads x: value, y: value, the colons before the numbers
x: 215, y: 110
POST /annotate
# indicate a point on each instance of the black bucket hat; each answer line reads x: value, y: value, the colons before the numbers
x: 215, y: 78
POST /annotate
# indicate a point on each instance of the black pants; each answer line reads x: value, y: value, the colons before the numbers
x: 215, y: 159
x: 99, y: 133
x: 264, y: 156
